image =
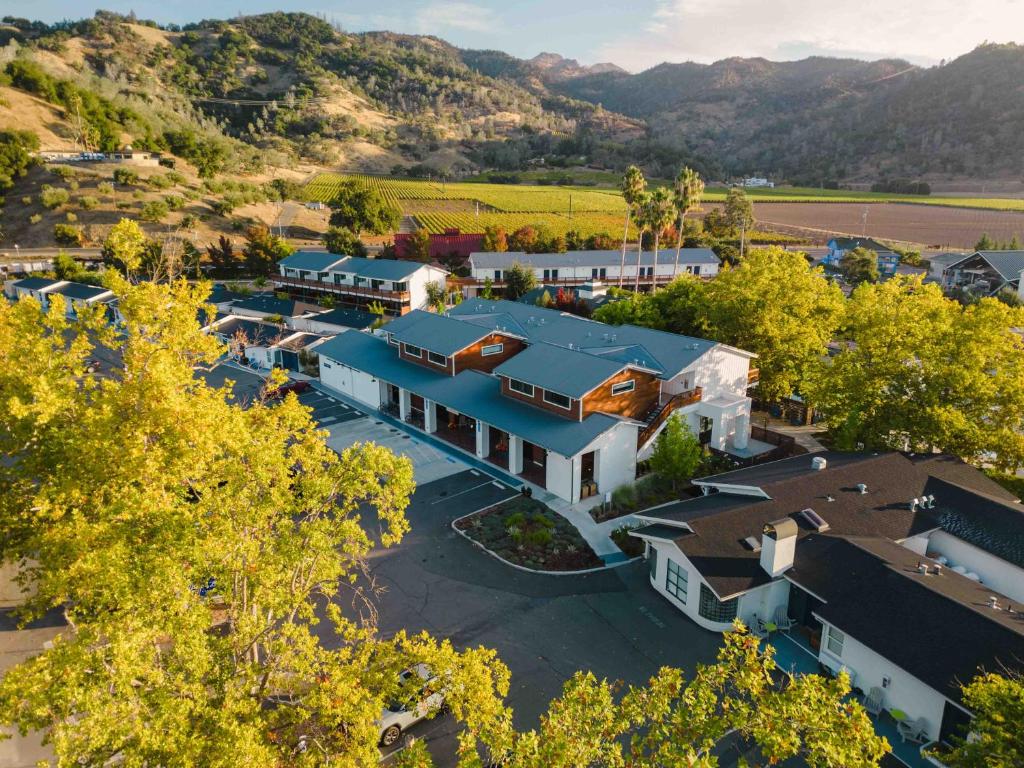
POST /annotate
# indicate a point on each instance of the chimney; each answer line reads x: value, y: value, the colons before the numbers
x: 818, y: 463
x: 778, y: 546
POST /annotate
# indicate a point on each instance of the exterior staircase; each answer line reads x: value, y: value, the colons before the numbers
x: 654, y: 420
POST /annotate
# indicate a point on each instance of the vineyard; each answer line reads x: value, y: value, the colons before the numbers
x: 586, y: 224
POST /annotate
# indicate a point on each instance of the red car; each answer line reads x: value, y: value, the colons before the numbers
x: 298, y: 387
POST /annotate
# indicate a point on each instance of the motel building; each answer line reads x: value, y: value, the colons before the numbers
x: 564, y: 403
x: 905, y: 571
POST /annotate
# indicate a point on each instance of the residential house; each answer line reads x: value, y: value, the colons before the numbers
x: 76, y: 295
x: 888, y: 259
x: 264, y: 345
x: 356, y: 283
x: 906, y: 571
x: 581, y: 267
x: 335, y: 321
x: 590, y: 296
x: 985, y: 272
x: 266, y: 305
x: 565, y: 403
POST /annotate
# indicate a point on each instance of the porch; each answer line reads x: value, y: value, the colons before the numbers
x: 456, y: 428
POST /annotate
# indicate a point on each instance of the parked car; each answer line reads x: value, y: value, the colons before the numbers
x: 400, y: 716
x: 298, y: 387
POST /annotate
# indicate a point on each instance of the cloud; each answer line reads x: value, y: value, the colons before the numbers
x: 465, y: 17
x: 923, y: 31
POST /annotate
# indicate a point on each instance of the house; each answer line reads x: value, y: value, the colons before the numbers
x: 937, y: 264
x: 447, y: 244
x: 356, y: 283
x: 888, y: 259
x: 76, y: 295
x: 906, y: 571
x: 985, y: 272
x: 589, y: 295
x: 268, y: 305
x: 335, y: 321
x: 565, y: 403
x: 758, y: 181
x: 264, y: 345
x: 581, y: 267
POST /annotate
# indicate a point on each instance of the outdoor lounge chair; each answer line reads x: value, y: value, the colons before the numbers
x: 913, y: 730
x: 873, y: 701
x: 782, y: 620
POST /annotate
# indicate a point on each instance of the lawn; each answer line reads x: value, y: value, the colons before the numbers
x: 527, y: 532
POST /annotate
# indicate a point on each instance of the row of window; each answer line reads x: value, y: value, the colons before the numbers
x: 437, y: 359
x: 600, y: 273
x: 554, y: 398
x: 710, y: 607
x: 355, y: 280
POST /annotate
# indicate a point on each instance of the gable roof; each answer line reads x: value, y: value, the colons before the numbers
x: 1007, y: 263
x: 34, y: 283
x: 271, y: 304
x: 315, y: 261
x: 849, y: 243
x: 382, y: 269
x: 346, y: 318
x: 472, y: 393
x: 584, y: 259
x: 256, y: 333
x: 938, y: 627
x: 80, y: 291
x: 436, y: 333
x: 565, y: 371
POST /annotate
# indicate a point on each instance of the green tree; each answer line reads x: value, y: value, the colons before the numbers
x: 659, y: 211
x: 435, y: 295
x: 739, y: 214
x: 519, y: 280
x: 640, y: 219
x: 362, y: 208
x: 417, y: 246
x: 687, y: 192
x: 66, y: 268
x: 860, y: 265
x: 985, y: 243
x: 996, y: 737
x: 487, y: 292
x: 16, y: 148
x: 263, y: 250
x: 921, y: 372
x: 775, y: 305
x: 67, y: 235
x: 633, y: 187
x: 677, y: 453
x: 495, y: 239
x: 344, y: 242
x: 124, y: 247
x: 545, y: 300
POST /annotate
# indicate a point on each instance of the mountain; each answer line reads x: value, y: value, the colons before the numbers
x: 555, y: 68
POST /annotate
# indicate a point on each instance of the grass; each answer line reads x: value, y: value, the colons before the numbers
x: 529, y: 533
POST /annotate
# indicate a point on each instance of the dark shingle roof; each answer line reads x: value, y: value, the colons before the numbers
x: 34, y: 283
x: 80, y: 291
x: 849, y: 243
x: 938, y: 627
x: 347, y: 318
x: 256, y: 333
x: 271, y: 304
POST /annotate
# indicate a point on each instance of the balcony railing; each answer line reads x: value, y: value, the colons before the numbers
x: 671, y: 405
x: 609, y: 280
x: 354, y: 290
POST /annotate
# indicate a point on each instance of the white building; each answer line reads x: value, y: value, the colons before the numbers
x: 77, y: 296
x: 758, y: 181
x: 907, y: 572
x: 574, y: 268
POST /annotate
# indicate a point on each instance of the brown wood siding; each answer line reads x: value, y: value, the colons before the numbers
x: 425, y: 362
x: 633, y: 404
x: 538, y: 400
x: 471, y: 357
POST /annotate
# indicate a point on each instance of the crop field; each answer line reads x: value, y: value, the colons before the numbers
x: 585, y: 223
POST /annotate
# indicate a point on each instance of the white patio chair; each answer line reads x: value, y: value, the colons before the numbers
x: 913, y: 730
x: 873, y: 701
x: 782, y: 620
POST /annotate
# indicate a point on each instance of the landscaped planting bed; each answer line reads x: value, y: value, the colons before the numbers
x: 527, y: 532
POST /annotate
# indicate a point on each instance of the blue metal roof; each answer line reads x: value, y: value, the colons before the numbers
x: 437, y: 333
x: 80, y: 291
x: 346, y: 318
x: 271, y: 304
x: 380, y: 269
x: 559, y: 370
x: 315, y: 261
x: 472, y: 393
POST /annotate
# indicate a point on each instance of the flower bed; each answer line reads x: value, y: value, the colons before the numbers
x: 528, y: 533
x: 630, y: 545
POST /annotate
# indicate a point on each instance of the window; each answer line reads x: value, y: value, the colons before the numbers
x: 713, y: 609
x: 835, y: 641
x: 521, y: 387
x: 556, y: 399
x: 392, y: 339
x: 401, y: 287
x: 550, y: 274
x: 676, y: 581
x: 599, y: 273
x: 492, y: 349
x: 321, y: 275
x: 412, y: 351
x: 376, y: 284
x: 437, y: 359
x: 623, y: 386
x: 497, y: 274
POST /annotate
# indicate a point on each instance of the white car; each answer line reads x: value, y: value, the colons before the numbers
x: 399, y: 716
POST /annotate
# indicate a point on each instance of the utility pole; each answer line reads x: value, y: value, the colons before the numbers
x: 570, y: 209
x: 743, y: 237
x: 864, y: 220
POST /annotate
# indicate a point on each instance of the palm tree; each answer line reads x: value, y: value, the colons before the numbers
x: 660, y: 213
x: 641, y: 211
x: 633, y: 187
x: 686, y: 195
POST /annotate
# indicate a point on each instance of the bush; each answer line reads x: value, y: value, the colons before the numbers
x: 125, y: 177
x: 105, y: 188
x: 35, y: 218
x: 26, y: 200
x: 67, y: 235
x: 88, y: 202
x: 64, y: 171
x: 174, y: 202
x: 155, y: 211
x: 70, y: 217
x: 624, y: 498
x: 159, y: 182
x: 53, y: 197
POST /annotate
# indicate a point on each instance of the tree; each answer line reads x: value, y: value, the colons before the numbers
x: 920, y: 372
x: 435, y: 295
x: 67, y: 235
x: 263, y: 250
x: 775, y: 305
x: 487, y: 292
x: 417, y: 246
x: 66, y: 268
x: 519, y: 280
x: 343, y: 242
x: 985, y: 243
x: 362, y: 208
x: 686, y: 195
x: 124, y: 247
x: 633, y: 187
x: 523, y: 239
x: 222, y: 255
x: 860, y: 265
x: 996, y: 737
x: 659, y: 212
x: 677, y: 453
x: 640, y: 218
x: 544, y: 300
x: 739, y: 213
x: 495, y: 239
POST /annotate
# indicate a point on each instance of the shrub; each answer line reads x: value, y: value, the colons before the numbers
x: 67, y: 235
x: 159, y: 182
x: 125, y: 176
x: 624, y: 497
x: 26, y: 200
x: 64, y: 171
x: 53, y: 197
x: 154, y: 210
x: 105, y: 188
x: 174, y: 202
x: 35, y: 218
x: 71, y: 217
x: 88, y: 202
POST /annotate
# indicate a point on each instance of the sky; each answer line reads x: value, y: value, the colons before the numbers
x: 635, y: 34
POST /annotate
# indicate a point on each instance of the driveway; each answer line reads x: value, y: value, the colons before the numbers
x: 543, y: 627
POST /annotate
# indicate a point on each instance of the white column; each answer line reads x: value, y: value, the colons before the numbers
x: 429, y: 416
x: 483, y: 432
x: 742, y: 434
x: 718, y: 431
x: 515, y: 454
x: 404, y: 403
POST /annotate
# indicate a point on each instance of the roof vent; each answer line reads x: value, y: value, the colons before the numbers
x: 930, y: 498
x: 752, y: 544
x: 818, y: 463
x: 862, y: 488
x: 816, y: 521
x: 993, y: 602
x: 914, y: 502
x: 830, y: 497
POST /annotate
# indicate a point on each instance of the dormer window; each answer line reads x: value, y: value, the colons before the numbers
x: 554, y: 398
x: 623, y: 387
x: 437, y: 359
x: 521, y: 387
x: 412, y: 351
